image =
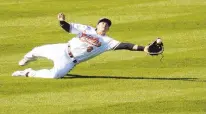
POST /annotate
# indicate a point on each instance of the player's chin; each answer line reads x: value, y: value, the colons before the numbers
x: 104, y: 30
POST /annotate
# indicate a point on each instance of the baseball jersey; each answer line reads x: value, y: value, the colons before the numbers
x: 88, y: 44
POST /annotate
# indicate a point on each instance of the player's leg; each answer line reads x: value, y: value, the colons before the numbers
x: 47, y: 51
x: 62, y: 65
x: 27, y: 58
x: 55, y: 72
x: 61, y: 68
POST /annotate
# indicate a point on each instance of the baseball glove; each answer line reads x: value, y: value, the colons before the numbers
x: 155, y: 48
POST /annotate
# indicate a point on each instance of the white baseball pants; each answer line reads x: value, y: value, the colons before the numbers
x: 58, y: 54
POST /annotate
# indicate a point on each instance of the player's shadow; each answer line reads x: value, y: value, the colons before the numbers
x: 75, y: 76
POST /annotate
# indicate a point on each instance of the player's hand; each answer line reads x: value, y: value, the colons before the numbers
x: 61, y: 17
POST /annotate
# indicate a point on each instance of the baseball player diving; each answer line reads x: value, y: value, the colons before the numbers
x: 88, y: 43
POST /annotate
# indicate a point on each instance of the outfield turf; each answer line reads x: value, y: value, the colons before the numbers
x: 120, y: 82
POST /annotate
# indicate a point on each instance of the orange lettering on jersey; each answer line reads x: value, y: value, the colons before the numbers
x: 90, y: 39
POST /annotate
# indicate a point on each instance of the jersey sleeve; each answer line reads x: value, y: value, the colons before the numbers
x: 77, y: 28
x: 112, y: 44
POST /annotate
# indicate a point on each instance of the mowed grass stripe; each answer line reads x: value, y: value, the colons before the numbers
x: 177, y: 107
x: 96, y: 99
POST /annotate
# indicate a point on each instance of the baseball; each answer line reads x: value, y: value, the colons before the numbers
x: 159, y: 41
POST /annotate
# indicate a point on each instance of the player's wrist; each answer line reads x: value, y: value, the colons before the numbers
x: 146, y: 49
x: 61, y: 19
x: 138, y: 48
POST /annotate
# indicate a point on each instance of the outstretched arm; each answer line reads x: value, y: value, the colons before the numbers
x: 129, y: 46
x: 63, y: 23
x: 154, y: 48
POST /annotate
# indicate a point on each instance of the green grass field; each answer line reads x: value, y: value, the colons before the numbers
x: 116, y: 82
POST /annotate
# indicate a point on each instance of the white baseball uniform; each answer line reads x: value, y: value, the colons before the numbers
x: 86, y: 45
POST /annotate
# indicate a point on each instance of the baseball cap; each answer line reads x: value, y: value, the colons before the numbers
x: 108, y: 21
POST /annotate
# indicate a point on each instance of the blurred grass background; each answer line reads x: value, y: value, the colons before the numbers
x: 114, y: 82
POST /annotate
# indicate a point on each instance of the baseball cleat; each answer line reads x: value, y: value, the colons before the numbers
x: 22, y: 73
x: 24, y: 61
x: 18, y: 73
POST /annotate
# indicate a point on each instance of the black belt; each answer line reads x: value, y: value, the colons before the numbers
x: 71, y: 55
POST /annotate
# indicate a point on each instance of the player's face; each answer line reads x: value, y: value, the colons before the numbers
x: 102, y: 27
